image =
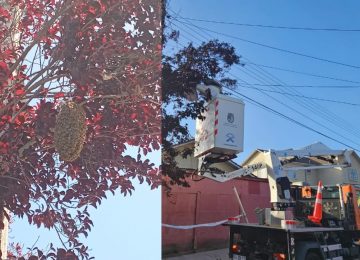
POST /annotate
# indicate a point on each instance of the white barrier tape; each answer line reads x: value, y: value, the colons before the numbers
x: 213, y: 224
x: 195, y: 226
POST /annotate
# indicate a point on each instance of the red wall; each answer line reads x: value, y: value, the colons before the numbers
x: 208, y: 201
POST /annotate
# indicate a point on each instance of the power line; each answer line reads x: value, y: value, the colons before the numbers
x: 283, y: 69
x: 303, y: 86
x: 272, y: 26
x: 301, y: 96
x: 274, y: 48
x: 303, y: 73
x: 292, y: 71
x: 292, y: 120
x: 312, y: 106
x: 303, y: 114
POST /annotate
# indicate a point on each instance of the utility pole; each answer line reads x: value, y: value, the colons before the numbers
x: 4, y: 234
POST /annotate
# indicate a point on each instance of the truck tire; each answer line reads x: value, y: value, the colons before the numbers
x: 313, y: 256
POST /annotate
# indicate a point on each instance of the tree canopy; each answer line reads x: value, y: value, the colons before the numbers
x: 79, y: 83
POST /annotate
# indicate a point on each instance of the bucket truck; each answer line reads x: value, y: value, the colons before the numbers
x: 315, y: 210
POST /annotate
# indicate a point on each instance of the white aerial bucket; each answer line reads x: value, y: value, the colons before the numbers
x: 222, y: 130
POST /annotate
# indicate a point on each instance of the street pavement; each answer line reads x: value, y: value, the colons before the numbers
x: 220, y: 254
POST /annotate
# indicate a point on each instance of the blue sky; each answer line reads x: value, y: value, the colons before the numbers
x: 124, y: 227
x: 129, y: 228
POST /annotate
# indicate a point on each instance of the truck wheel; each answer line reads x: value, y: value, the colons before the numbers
x: 312, y: 256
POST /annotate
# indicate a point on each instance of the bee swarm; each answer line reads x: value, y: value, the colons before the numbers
x: 70, y: 130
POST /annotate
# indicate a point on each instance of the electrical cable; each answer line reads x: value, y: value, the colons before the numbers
x: 293, y: 120
x: 312, y: 106
x: 303, y: 73
x: 277, y: 48
x: 288, y: 70
x: 273, y: 26
x: 305, y: 115
x: 304, y: 86
x: 302, y: 96
x: 323, y: 112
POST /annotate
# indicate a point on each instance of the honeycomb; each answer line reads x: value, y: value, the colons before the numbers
x: 70, y: 130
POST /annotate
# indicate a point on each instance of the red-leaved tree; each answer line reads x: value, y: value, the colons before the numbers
x: 79, y: 83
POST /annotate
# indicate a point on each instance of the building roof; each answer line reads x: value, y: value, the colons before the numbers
x: 251, y: 156
x: 183, y: 145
